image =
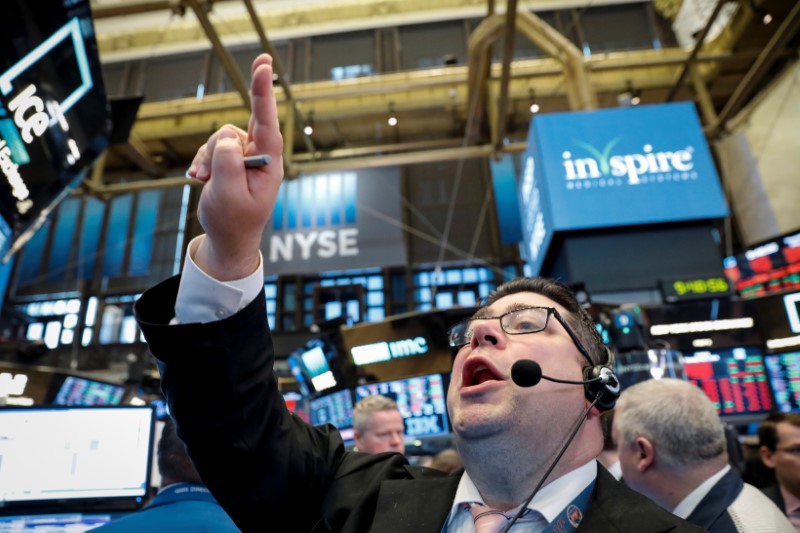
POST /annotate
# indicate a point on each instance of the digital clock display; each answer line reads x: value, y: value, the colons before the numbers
x: 694, y: 288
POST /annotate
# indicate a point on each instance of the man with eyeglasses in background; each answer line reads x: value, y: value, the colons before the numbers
x: 779, y: 445
x: 378, y: 425
x: 529, y: 449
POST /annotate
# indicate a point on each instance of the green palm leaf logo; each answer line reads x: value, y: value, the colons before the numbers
x: 601, y: 157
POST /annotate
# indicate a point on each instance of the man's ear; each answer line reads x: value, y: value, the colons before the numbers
x: 645, y: 454
x: 767, y: 456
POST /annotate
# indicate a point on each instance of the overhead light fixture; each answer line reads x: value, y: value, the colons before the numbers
x: 759, y: 11
x: 309, y: 127
x: 392, y: 120
x: 701, y: 327
x: 534, y: 106
x: 630, y: 96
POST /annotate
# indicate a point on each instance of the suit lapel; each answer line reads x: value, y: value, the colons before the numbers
x: 414, y: 505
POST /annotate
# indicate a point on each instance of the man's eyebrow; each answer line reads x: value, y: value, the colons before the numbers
x: 516, y: 306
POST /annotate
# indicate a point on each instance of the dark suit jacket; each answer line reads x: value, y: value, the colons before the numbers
x: 712, y: 511
x: 272, y: 472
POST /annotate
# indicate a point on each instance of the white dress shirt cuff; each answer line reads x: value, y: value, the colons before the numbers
x: 202, y: 298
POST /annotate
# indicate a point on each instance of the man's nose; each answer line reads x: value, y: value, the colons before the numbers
x: 487, y: 332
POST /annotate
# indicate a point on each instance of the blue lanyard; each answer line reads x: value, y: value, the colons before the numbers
x: 572, y: 515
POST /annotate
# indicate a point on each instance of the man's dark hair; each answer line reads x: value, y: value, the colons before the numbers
x: 576, y: 316
x: 768, y: 430
x: 174, y: 464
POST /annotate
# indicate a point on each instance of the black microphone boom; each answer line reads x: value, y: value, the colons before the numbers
x: 527, y: 373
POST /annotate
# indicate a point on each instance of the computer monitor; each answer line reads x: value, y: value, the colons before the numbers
x: 298, y: 404
x: 74, y: 458
x: 784, y: 376
x: 421, y: 400
x: 315, y: 366
x: 74, y: 390
x: 54, y: 115
x: 56, y: 522
x: 735, y: 379
x: 336, y: 409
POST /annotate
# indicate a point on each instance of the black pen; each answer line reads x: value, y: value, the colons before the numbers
x: 260, y: 160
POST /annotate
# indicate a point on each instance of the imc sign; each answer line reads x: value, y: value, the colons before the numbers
x: 615, y: 167
x: 337, y: 221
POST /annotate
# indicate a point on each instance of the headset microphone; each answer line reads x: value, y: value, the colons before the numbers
x: 527, y: 373
x: 600, y: 383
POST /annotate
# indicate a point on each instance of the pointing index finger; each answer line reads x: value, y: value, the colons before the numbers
x: 264, y: 128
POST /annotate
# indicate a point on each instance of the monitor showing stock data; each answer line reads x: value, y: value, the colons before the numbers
x: 336, y: 409
x: 421, y: 401
x: 735, y: 380
x: 784, y: 376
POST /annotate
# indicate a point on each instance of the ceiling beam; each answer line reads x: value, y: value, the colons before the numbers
x: 224, y: 56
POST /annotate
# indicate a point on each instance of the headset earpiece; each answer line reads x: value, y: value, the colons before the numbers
x: 607, y: 388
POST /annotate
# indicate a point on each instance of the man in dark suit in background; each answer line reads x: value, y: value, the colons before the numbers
x: 673, y: 448
x: 271, y: 471
x: 779, y: 445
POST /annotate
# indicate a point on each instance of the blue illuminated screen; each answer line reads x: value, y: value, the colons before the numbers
x: 81, y: 391
x: 55, y: 523
x: 336, y: 409
x: 784, y: 375
x: 421, y: 401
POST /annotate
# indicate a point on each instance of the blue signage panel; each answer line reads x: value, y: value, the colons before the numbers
x: 338, y: 221
x: 537, y: 223
x: 504, y: 184
x: 625, y: 166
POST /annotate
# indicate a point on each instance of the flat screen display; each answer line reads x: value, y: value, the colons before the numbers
x: 421, y: 401
x: 85, y: 456
x: 55, y: 523
x: 81, y: 391
x: 54, y: 115
x: 297, y: 404
x: 769, y: 267
x: 336, y: 409
x: 314, y: 366
x: 735, y: 379
x: 784, y: 376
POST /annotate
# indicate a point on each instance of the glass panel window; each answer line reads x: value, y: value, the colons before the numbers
x: 52, y: 333
x: 87, y: 337
x: 128, y: 333
x: 35, y: 331
x: 70, y: 321
x: 375, y: 314
x: 444, y: 300
x: 467, y: 299
x: 374, y: 298
x: 333, y: 310
x: 67, y: 335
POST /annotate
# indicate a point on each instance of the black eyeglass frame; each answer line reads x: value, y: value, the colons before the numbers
x: 550, y: 311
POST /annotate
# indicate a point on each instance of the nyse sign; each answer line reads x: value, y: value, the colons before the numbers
x: 337, y: 221
x: 323, y: 244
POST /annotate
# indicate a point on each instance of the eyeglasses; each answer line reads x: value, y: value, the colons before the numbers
x: 517, y: 322
x: 792, y: 450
